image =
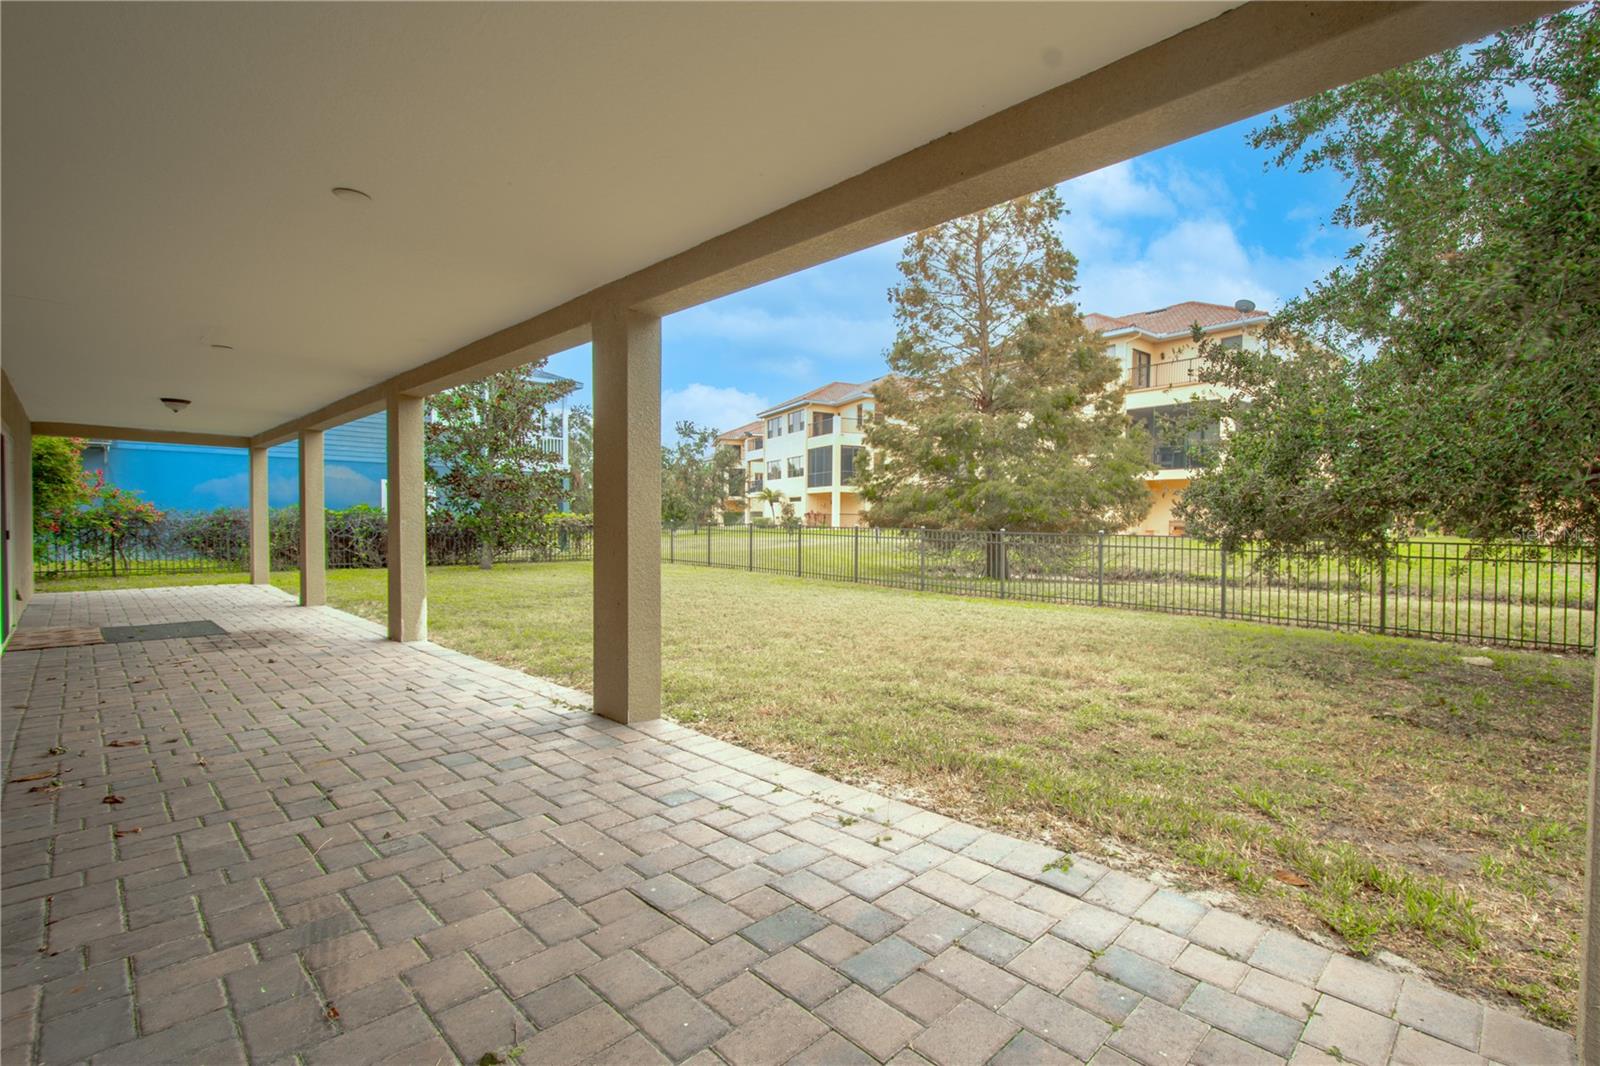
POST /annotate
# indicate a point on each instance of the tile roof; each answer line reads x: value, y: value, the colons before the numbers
x: 749, y: 429
x: 1173, y: 320
x: 831, y: 394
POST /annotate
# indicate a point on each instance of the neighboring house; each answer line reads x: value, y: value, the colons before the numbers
x: 806, y: 447
x: 189, y: 477
x: 1157, y: 353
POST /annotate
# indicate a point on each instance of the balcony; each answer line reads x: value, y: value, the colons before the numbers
x: 1165, y: 375
x: 826, y: 425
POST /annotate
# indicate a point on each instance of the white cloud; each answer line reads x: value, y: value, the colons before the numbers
x: 1118, y: 190
x: 708, y: 405
x: 1148, y: 236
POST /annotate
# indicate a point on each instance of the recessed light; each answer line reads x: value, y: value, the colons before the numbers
x: 174, y: 403
x: 344, y: 192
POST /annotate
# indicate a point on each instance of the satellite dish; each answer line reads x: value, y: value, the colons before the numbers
x: 1245, y: 306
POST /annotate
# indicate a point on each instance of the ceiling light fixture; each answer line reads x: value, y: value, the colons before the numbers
x: 174, y: 403
x: 355, y: 196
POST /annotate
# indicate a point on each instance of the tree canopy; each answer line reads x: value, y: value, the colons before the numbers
x: 696, y: 475
x: 1446, y: 376
x: 487, y: 453
x: 1001, y: 409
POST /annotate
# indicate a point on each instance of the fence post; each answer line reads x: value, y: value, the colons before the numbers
x: 922, y: 560
x: 708, y: 544
x: 1383, y: 589
x: 855, y: 554
x: 672, y: 544
x: 752, y: 547
x: 799, y: 551
x: 1003, y: 567
x: 1100, y: 570
x: 1222, y: 550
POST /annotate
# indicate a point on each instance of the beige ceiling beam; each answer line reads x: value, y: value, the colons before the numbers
x: 155, y: 436
x: 1248, y: 60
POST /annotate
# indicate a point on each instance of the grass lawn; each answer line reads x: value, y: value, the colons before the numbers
x: 1369, y: 787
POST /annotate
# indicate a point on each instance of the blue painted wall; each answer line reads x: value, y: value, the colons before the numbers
x: 183, y: 477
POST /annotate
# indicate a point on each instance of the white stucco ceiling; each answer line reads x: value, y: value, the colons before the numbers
x: 167, y: 169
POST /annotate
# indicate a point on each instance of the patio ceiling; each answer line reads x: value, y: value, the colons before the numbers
x: 168, y: 168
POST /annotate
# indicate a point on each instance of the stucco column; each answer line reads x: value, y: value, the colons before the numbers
x: 313, y: 522
x: 1589, y: 976
x: 627, y: 516
x: 836, y: 473
x: 408, y: 522
x: 260, y: 535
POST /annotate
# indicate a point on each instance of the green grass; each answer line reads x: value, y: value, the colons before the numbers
x: 1429, y: 807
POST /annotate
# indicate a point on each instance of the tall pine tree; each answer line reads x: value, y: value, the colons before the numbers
x: 1001, y: 409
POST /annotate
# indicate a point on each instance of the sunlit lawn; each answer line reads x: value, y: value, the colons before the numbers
x: 1433, y: 808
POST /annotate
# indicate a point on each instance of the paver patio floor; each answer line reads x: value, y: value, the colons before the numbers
x: 334, y: 849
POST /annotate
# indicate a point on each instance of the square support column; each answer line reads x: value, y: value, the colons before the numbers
x: 313, y: 522
x: 408, y: 521
x: 627, y: 516
x: 260, y: 534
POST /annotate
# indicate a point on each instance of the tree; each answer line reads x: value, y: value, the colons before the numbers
x: 580, y: 458
x: 486, y: 455
x: 695, y: 473
x: 1002, y: 410
x: 1447, y: 375
x: 773, y: 499
x: 59, y: 486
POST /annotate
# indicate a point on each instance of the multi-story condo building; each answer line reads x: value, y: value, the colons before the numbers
x: 805, y: 448
x: 1158, y: 356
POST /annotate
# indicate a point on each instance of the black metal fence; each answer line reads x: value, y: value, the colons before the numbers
x: 1513, y: 594
x: 219, y: 542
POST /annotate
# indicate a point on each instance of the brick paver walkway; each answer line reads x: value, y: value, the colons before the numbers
x: 332, y: 849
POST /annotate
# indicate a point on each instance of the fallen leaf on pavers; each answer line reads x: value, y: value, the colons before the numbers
x: 1289, y: 877
x: 40, y: 776
x: 125, y: 743
x: 113, y: 799
x: 53, y: 786
x: 128, y: 832
x: 57, y: 750
x: 490, y: 1059
x: 333, y: 1013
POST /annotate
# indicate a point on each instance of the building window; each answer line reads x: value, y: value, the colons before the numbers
x: 753, y: 444
x: 821, y: 424
x: 847, y: 465
x: 1141, y: 369
x: 797, y: 467
x: 774, y: 470
x: 1236, y: 341
x: 820, y: 468
x: 775, y: 426
x: 797, y: 421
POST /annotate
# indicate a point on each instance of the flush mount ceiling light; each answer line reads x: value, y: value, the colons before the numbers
x: 174, y: 403
x: 354, y: 196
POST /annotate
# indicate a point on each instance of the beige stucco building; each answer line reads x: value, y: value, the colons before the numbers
x: 805, y: 447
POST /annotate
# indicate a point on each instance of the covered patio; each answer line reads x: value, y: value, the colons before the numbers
x: 334, y: 846
x: 347, y: 845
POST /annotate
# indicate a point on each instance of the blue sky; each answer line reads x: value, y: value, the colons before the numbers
x: 1200, y: 220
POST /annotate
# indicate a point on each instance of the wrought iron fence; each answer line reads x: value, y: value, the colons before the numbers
x: 1512, y: 594
x: 219, y: 542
